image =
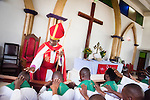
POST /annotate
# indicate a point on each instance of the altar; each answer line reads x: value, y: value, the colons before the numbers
x: 97, y: 69
x: 95, y: 66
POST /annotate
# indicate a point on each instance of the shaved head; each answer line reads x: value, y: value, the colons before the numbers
x: 132, y: 92
x: 147, y: 95
x: 85, y: 74
x: 97, y: 97
x: 25, y: 74
x: 58, y: 75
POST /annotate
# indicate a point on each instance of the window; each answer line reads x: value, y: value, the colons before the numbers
x: 126, y: 10
x: 107, y: 2
x: 132, y: 13
x: 139, y: 18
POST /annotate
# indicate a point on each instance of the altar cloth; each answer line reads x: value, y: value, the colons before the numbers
x: 93, y: 65
x: 73, y: 75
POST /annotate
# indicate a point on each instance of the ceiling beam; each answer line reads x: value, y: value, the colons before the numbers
x: 145, y: 3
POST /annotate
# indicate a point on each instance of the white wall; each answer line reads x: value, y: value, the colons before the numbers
x: 12, y: 26
x: 147, y: 60
x: 145, y: 39
x: 128, y: 46
x: 41, y: 21
x: 146, y: 34
x: 11, y: 21
x: 76, y: 36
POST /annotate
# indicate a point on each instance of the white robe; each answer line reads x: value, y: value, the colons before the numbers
x: 78, y: 96
x: 18, y: 94
x: 108, y: 97
x: 125, y: 80
x: 47, y: 95
x: 56, y: 97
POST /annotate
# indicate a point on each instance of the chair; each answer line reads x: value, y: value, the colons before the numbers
x: 30, y: 47
x: 10, y: 60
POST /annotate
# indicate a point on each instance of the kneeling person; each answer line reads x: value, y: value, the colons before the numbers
x: 63, y: 91
x: 85, y: 79
x: 19, y: 89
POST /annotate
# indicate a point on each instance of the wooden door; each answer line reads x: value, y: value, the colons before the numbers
x: 142, y: 60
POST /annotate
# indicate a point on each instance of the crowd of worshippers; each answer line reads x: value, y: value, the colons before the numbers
x: 117, y: 86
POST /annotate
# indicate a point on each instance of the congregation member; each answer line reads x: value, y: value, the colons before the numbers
x: 19, y: 89
x: 84, y: 79
x: 50, y: 56
x: 110, y: 77
x: 148, y: 70
x: 147, y: 94
x: 125, y: 80
x: 130, y: 86
x: 142, y: 77
x: 132, y: 89
x: 48, y: 91
x: 83, y: 92
x: 54, y: 87
x: 129, y: 92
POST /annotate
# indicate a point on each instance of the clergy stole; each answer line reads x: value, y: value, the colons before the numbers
x: 119, y: 82
x: 145, y: 81
x: 23, y: 85
x: 61, y: 89
x: 89, y: 83
x: 112, y: 84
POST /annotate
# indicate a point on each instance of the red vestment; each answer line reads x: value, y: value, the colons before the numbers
x: 43, y: 62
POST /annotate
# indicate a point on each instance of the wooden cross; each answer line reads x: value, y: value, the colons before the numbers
x: 91, y: 20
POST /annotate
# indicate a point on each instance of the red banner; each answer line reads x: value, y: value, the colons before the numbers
x: 103, y: 67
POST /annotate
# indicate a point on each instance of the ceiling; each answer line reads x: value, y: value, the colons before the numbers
x: 144, y: 5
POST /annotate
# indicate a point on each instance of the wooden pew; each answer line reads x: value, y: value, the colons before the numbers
x: 36, y: 84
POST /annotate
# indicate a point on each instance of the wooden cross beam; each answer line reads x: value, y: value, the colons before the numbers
x: 91, y: 20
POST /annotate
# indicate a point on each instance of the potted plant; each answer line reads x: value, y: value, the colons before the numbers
x: 87, y: 51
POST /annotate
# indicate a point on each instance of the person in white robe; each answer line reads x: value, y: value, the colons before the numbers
x: 132, y: 90
x: 19, y: 89
x: 63, y: 91
x: 125, y: 80
x: 85, y: 79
